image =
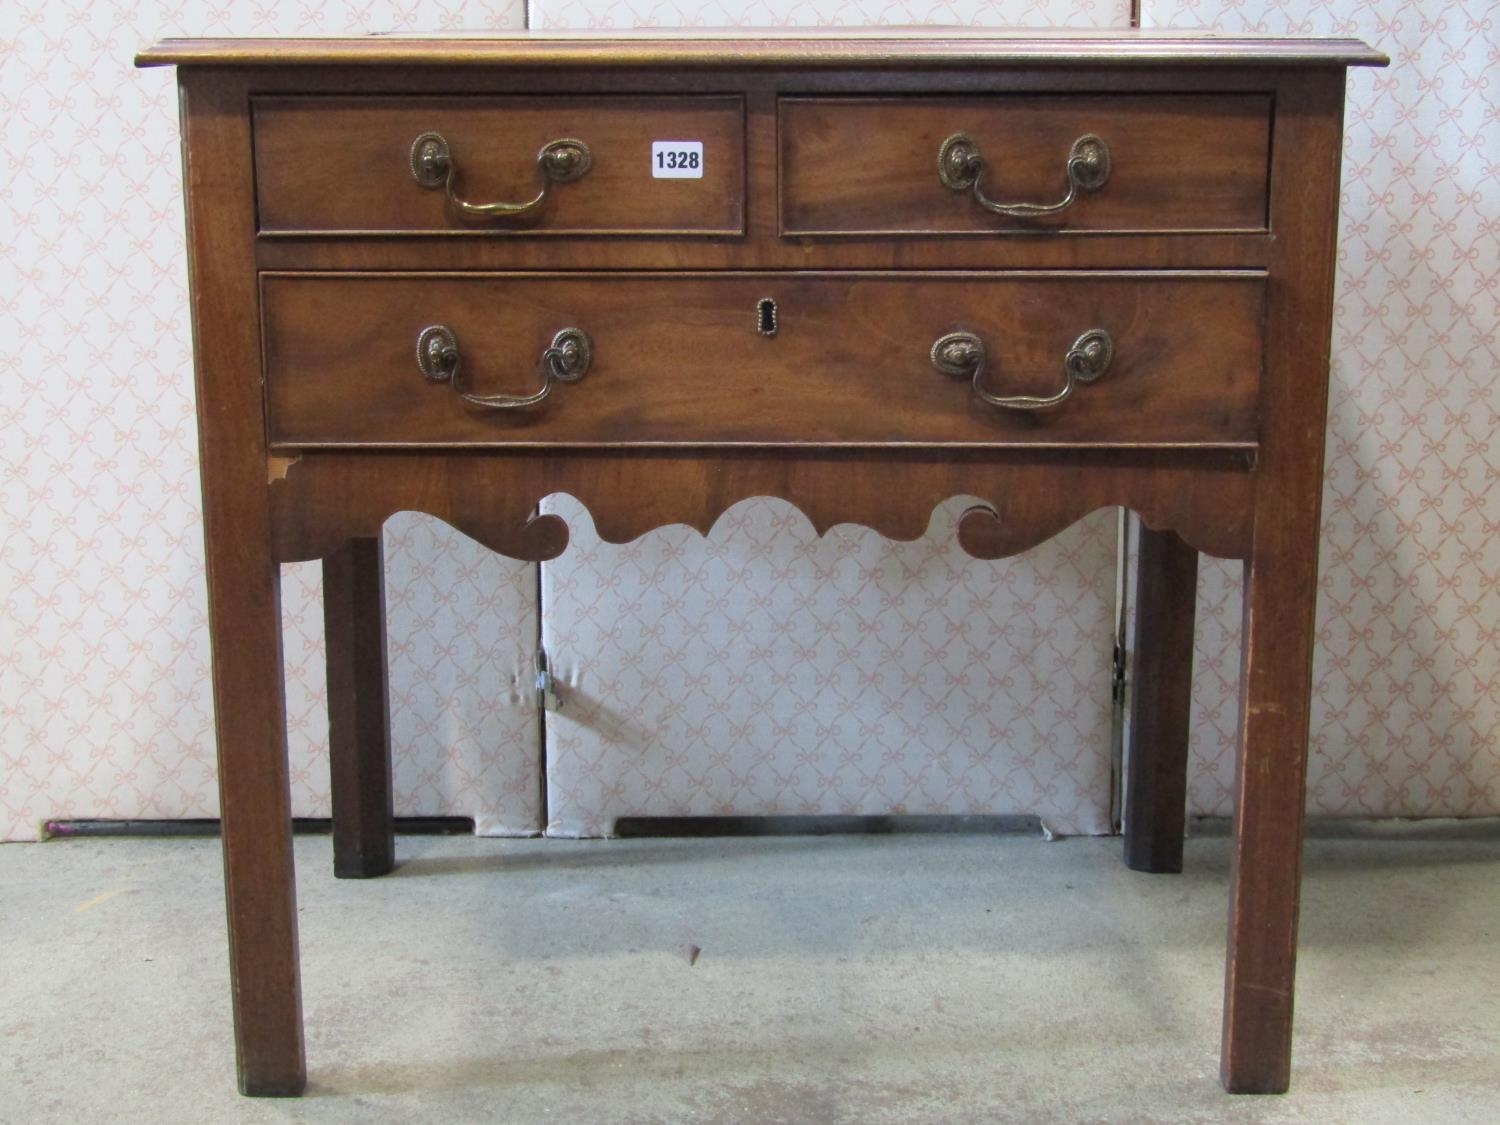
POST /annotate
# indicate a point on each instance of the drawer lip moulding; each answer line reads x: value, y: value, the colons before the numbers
x: 1162, y: 163
x: 350, y: 166
x: 681, y: 359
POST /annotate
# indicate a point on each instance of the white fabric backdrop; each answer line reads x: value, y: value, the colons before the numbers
x: 765, y: 671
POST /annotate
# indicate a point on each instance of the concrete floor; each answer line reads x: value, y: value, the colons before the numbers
x: 928, y: 978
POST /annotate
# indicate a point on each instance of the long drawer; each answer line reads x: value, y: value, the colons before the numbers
x: 1124, y: 163
x: 434, y: 165
x: 1138, y: 359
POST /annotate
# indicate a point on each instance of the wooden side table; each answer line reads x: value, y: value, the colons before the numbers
x: 862, y: 272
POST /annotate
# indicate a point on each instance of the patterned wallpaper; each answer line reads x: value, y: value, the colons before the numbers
x: 622, y: 14
x: 1406, y: 709
x: 104, y: 693
x: 104, y: 698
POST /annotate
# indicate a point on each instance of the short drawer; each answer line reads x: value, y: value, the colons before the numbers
x: 852, y: 166
x: 602, y: 166
x: 763, y: 359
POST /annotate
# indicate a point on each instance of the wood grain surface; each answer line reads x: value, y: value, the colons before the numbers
x: 678, y: 359
x: 1024, y: 498
x: 1160, y: 678
x: 244, y: 592
x: 1281, y: 590
x: 344, y: 164
x: 359, y: 728
x: 843, y: 47
x: 869, y: 165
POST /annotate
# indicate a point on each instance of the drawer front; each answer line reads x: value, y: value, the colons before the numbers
x: 685, y: 359
x: 347, y: 165
x: 1174, y: 163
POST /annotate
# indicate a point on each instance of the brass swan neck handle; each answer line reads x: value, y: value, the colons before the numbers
x: 961, y: 355
x: 433, y: 166
x: 566, y: 360
x: 961, y: 167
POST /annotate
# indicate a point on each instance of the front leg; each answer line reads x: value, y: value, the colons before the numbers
x: 1270, y: 778
x: 1281, y: 585
x: 244, y: 592
x: 244, y: 587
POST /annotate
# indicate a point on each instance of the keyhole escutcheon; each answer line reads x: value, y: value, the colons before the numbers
x: 765, y: 316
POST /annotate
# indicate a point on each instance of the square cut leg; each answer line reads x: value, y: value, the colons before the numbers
x: 1269, y: 799
x: 359, y: 739
x: 1281, y: 591
x: 244, y: 588
x: 255, y: 810
x: 1160, y: 702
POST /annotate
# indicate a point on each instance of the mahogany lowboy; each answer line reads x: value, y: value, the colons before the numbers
x: 864, y: 273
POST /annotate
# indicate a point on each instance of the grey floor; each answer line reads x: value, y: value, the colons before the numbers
x: 928, y: 978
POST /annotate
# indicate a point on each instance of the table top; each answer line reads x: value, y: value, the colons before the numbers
x: 867, y: 47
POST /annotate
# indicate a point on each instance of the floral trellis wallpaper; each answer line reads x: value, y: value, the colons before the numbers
x: 604, y: 15
x: 104, y: 692
x: 104, y: 697
x: 1406, y: 682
